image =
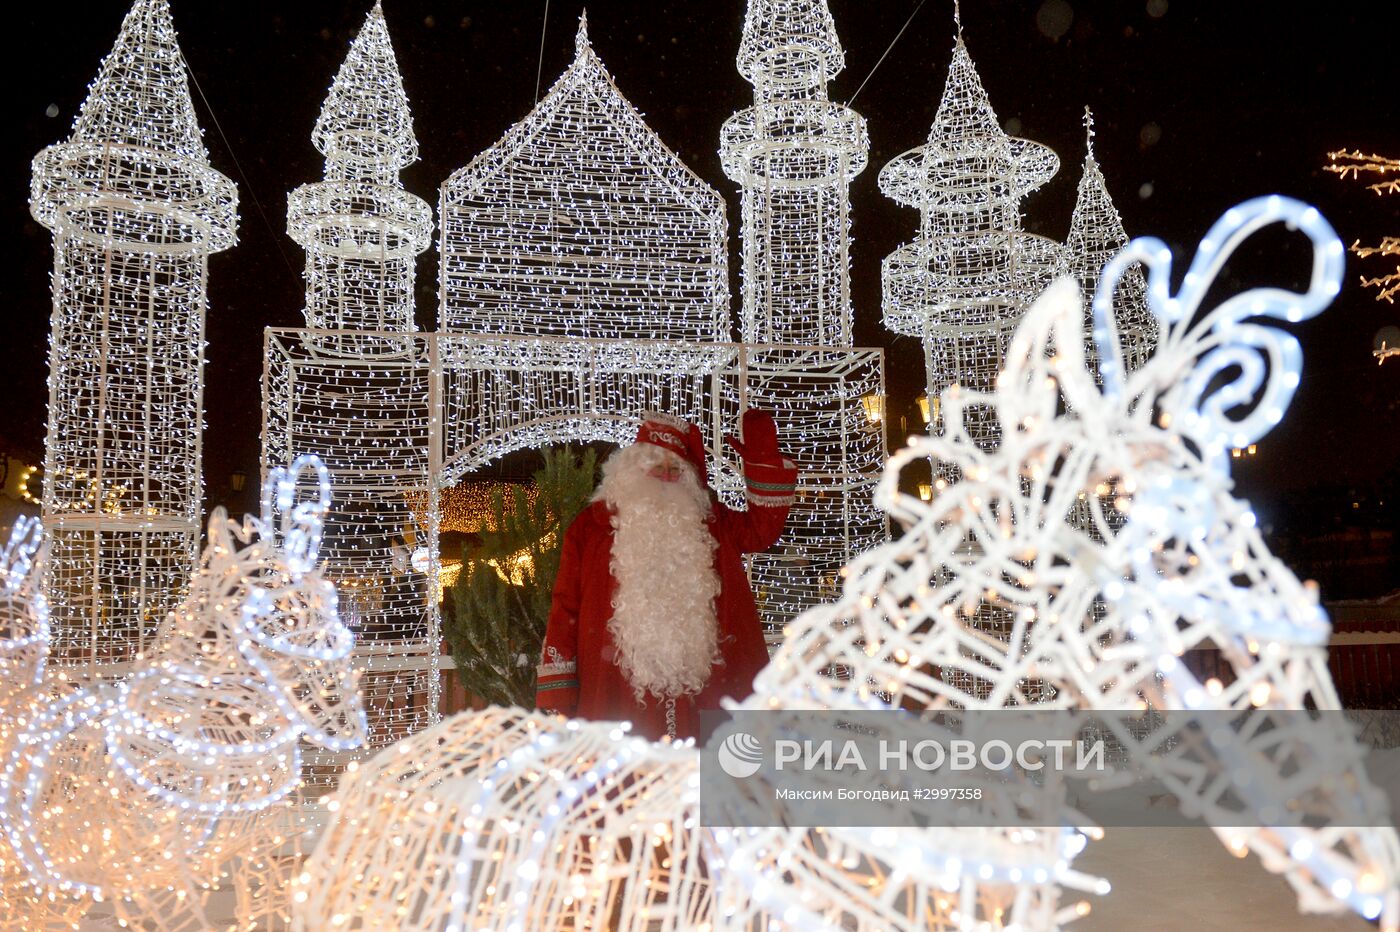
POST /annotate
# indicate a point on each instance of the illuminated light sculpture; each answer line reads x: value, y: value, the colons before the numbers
x: 794, y: 153
x: 1353, y: 164
x: 1183, y: 565
x: 1096, y: 235
x: 361, y: 230
x: 24, y: 645
x: 585, y: 281
x: 1187, y: 566
x: 580, y: 222
x: 963, y: 282
x: 362, y: 233
x: 507, y: 819
x: 182, y: 780
x: 135, y: 211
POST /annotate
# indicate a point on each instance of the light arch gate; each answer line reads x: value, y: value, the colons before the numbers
x: 396, y: 429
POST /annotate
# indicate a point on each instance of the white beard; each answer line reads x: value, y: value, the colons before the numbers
x: 664, y: 627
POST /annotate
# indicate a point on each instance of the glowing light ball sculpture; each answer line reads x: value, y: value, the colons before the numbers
x: 135, y: 211
x: 506, y: 819
x: 963, y: 282
x: 794, y: 153
x: 365, y: 409
x: 1096, y: 235
x: 180, y: 781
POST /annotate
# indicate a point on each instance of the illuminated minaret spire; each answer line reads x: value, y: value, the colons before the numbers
x: 135, y: 211
x: 794, y: 152
x: 361, y: 230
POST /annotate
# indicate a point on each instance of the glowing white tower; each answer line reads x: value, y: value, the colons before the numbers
x: 135, y: 211
x: 361, y: 230
x: 362, y: 233
x: 1096, y: 235
x: 794, y: 152
x: 963, y: 282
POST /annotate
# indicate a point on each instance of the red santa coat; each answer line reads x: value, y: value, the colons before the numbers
x: 578, y: 675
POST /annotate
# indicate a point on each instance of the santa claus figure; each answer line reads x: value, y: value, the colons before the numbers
x: 653, y: 618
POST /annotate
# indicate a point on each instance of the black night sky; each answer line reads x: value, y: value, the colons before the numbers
x: 1199, y: 105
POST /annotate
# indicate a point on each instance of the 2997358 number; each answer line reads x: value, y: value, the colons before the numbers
x: 954, y: 793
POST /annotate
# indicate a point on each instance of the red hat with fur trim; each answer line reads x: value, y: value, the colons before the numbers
x: 681, y: 438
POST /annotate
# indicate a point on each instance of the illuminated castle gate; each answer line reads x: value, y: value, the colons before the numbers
x: 584, y: 281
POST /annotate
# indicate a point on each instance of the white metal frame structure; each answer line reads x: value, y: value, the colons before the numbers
x: 584, y: 281
x: 452, y: 403
x: 135, y: 210
x: 963, y: 282
x: 794, y: 153
x: 1096, y: 235
x: 362, y: 233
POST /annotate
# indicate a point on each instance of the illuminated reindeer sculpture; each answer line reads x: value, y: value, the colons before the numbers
x: 156, y: 791
x: 1171, y: 560
x: 1068, y: 568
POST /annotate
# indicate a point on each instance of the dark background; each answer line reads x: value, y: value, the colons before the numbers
x: 1198, y: 105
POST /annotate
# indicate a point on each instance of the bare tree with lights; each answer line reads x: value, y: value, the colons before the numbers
x: 1356, y: 164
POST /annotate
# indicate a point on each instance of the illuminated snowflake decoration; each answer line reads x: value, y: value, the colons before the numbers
x: 181, y: 780
x: 135, y: 211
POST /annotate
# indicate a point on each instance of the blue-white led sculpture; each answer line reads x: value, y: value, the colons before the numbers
x: 1159, y: 559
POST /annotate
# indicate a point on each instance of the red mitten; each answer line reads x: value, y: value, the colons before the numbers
x: 760, y: 444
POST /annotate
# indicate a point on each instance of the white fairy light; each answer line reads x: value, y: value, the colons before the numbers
x: 580, y: 222
x: 577, y: 825
x: 358, y: 404
x: 1186, y: 566
x: 136, y: 211
x: 794, y: 153
x: 154, y: 793
x: 361, y: 230
x: 964, y: 281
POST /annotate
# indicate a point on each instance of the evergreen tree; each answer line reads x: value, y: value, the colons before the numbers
x: 501, y: 599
